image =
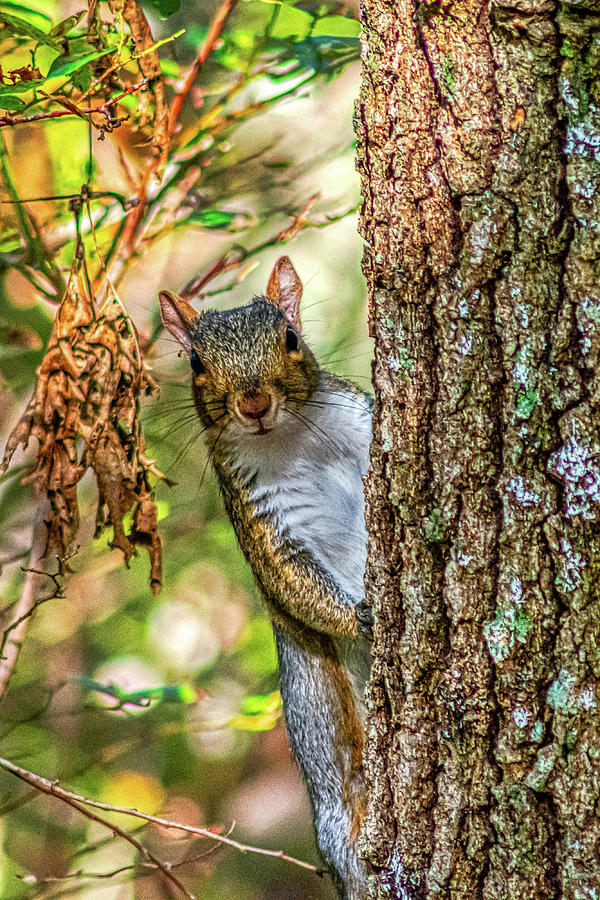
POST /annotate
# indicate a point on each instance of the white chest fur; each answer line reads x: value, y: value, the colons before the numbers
x: 307, y: 475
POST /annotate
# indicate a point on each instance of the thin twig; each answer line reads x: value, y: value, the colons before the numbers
x: 123, y: 63
x: 76, y: 800
x: 128, y: 240
x: 204, y: 51
x: 54, y: 790
x: 236, y: 257
x: 72, y: 110
x: 82, y: 874
x: 23, y: 610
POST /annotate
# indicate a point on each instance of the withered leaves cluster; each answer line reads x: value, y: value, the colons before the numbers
x: 85, y: 413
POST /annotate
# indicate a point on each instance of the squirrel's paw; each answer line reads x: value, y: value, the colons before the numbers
x: 364, y: 616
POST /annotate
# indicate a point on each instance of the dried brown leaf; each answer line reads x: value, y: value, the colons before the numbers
x: 145, y: 533
x: 84, y: 413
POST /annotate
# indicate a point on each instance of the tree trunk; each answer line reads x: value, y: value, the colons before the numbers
x: 479, y: 152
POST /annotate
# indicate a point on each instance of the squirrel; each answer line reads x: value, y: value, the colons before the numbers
x: 290, y: 446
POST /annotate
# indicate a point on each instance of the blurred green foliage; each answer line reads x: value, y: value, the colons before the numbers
x: 166, y: 703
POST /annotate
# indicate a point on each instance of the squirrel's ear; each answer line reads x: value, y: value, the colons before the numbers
x: 178, y: 317
x: 285, y: 290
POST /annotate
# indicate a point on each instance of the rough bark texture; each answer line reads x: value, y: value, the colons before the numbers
x: 479, y: 150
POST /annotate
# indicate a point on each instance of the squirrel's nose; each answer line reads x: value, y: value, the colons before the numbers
x: 255, y: 405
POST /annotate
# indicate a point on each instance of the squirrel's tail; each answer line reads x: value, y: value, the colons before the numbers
x: 326, y: 737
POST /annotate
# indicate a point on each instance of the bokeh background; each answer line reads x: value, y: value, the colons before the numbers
x: 209, y: 747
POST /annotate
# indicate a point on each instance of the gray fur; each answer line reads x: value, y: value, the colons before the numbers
x: 310, y: 717
x: 298, y: 471
x: 307, y: 477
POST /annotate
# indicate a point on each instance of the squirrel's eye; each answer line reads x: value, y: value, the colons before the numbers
x: 291, y: 339
x: 196, y: 364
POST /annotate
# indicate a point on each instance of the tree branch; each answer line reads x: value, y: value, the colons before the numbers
x: 204, y: 51
x: 76, y: 800
x: 237, y: 256
x: 54, y: 790
x: 72, y: 109
x: 81, y: 874
x: 130, y: 235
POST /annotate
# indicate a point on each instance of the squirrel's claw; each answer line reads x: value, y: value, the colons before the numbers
x: 364, y: 616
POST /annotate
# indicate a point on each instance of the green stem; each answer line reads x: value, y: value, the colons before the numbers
x: 89, y: 167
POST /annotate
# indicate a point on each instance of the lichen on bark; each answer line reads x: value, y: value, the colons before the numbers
x: 479, y: 152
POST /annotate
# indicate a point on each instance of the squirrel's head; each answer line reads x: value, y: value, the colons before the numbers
x: 249, y: 364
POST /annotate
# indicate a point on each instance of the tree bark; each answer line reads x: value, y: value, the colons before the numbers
x: 479, y: 153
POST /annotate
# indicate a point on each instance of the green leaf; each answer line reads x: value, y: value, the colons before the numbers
x: 336, y: 26
x: 162, y: 509
x: 12, y: 103
x: 21, y: 87
x: 11, y: 243
x: 165, y: 8
x: 82, y: 78
x: 213, y: 218
x: 17, y: 26
x: 324, y: 45
x: 327, y: 54
x: 65, y: 65
x: 321, y: 54
x: 292, y: 23
x: 67, y: 24
x: 25, y: 12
